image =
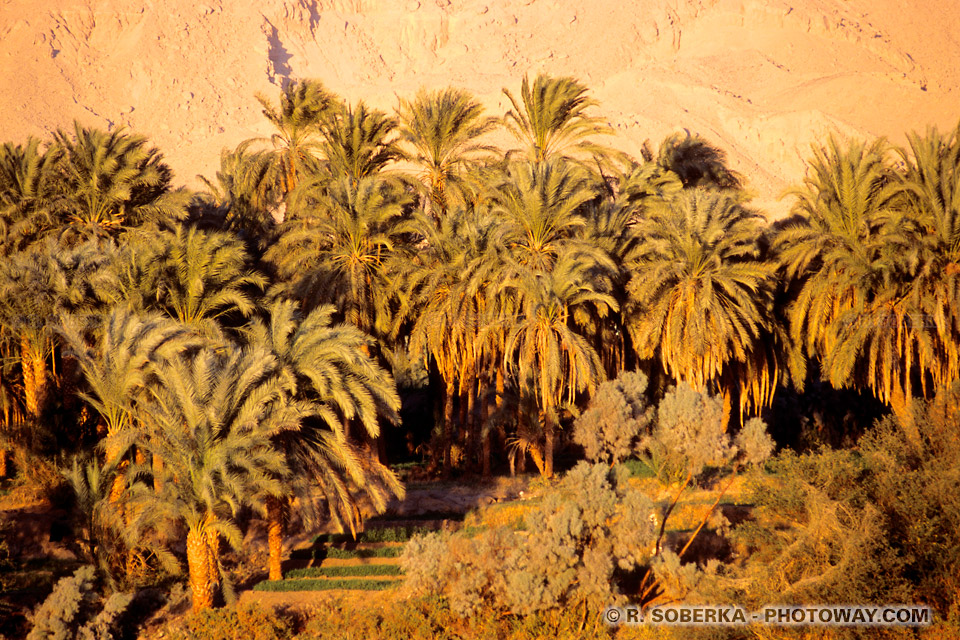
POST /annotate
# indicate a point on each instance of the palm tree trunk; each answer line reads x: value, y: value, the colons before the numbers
x: 213, y: 559
x: 156, y: 464
x: 471, y: 424
x: 485, y: 433
x: 727, y: 408
x: 275, y: 537
x: 31, y: 384
x: 549, y: 435
x: 448, y: 426
x: 198, y: 565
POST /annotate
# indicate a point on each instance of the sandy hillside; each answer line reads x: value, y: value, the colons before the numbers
x: 761, y: 78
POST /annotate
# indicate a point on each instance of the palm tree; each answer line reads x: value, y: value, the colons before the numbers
x: 837, y: 254
x: 696, y: 162
x: 358, y: 142
x: 200, y: 278
x: 27, y: 190
x: 108, y: 180
x: 36, y: 288
x: 540, y: 204
x: 213, y: 418
x: 550, y: 119
x: 902, y: 323
x: 242, y: 197
x: 297, y: 138
x: 328, y: 368
x: 443, y: 127
x: 701, y: 296
x: 118, y: 366
x: 552, y: 362
x: 338, y: 246
x: 449, y: 292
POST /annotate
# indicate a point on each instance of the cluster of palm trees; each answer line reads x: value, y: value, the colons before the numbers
x: 231, y: 349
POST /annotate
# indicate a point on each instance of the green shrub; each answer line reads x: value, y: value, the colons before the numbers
x: 591, y: 524
x: 248, y: 622
x: 307, y: 584
x: 71, y: 611
x: 688, y: 435
x: 618, y: 415
x: 342, y: 572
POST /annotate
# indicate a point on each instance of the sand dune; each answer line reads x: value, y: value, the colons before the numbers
x: 761, y: 78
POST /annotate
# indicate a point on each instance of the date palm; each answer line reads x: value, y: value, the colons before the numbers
x: 837, y: 251
x: 213, y: 418
x: 444, y: 127
x: 27, y: 191
x: 109, y: 180
x: 36, y: 288
x: 904, y: 325
x: 201, y: 278
x: 358, y: 142
x: 701, y: 296
x: 243, y: 197
x: 448, y: 301
x: 338, y: 246
x: 296, y: 140
x: 550, y: 119
x: 540, y: 204
x: 551, y: 361
x: 118, y: 365
x: 328, y: 368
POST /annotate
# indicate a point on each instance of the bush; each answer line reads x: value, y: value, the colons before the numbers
x: 876, y: 525
x: 618, y: 415
x: 71, y: 611
x: 248, y: 622
x: 688, y: 435
x: 586, y: 529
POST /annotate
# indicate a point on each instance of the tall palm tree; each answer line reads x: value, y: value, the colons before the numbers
x: 449, y: 292
x: 108, y: 180
x: 213, y: 418
x: 338, y: 245
x: 697, y: 162
x: 444, y: 128
x: 358, y: 142
x: 328, y: 368
x: 701, y: 296
x: 550, y: 119
x: 552, y: 362
x: 902, y: 324
x: 297, y: 138
x: 837, y: 253
x: 200, y: 278
x: 540, y: 205
x: 27, y: 191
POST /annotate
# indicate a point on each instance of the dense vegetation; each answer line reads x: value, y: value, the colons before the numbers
x: 182, y: 360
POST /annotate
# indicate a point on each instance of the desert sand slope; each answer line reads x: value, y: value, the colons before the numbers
x: 761, y: 78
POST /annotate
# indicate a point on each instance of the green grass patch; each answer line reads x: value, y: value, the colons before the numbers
x: 324, y: 585
x: 379, y: 552
x: 343, y: 572
x: 639, y: 468
x: 321, y: 553
x: 379, y: 534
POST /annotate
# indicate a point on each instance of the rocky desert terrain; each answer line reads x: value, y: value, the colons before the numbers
x: 763, y: 79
